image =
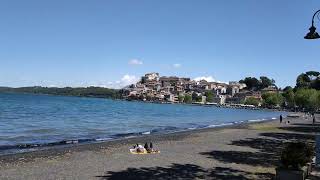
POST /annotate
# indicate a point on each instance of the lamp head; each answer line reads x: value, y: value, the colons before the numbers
x: 312, y: 34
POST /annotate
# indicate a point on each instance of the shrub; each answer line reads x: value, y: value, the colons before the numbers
x: 252, y: 101
x: 297, y: 155
x: 272, y: 100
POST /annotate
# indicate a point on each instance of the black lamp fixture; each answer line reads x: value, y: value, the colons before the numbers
x: 313, y: 34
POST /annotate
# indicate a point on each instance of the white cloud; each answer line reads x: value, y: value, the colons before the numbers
x: 124, y: 81
x: 135, y: 62
x: 177, y: 65
x: 128, y: 79
x: 207, y: 78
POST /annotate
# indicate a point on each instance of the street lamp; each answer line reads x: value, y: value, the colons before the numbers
x: 313, y: 34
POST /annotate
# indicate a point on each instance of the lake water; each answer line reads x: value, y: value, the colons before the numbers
x: 27, y: 120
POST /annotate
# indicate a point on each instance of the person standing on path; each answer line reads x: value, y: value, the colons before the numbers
x: 281, y: 118
x: 313, y: 119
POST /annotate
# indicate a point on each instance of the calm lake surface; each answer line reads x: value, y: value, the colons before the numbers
x: 27, y: 119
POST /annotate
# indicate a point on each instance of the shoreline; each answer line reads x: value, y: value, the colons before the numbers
x: 57, y: 150
x: 243, y: 151
x: 229, y: 106
x: 69, y: 143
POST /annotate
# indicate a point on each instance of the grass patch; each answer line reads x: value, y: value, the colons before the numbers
x: 264, y: 127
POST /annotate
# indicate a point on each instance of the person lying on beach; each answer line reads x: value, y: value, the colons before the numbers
x: 140, y: 149
x: 147, y: 149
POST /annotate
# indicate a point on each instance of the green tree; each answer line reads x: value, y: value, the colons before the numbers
x: 288, y: 95
x: 266, y: 82
x: 251, y: 82
x: 307, y: 99
x: 310, y: 79
x: 315, y: 84
x: 209, y: 95
x: 258, y: 84
x: 303, y: 81
x: 181, y: 98
x: 187, y: 99
x: 252, y: 101
x: 313, y: 74
x: 287, y: 88
x: 68, y: 91
x: 272, y: 99
x: 196, y: 98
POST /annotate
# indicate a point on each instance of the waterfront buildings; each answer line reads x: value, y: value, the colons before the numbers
x: 172, y: 89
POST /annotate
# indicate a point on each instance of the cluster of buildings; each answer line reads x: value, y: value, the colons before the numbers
x: 156, y: 88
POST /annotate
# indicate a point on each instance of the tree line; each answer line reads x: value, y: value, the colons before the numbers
x: 305, y: 96
x: 99, y: 92
x: 255, y: 84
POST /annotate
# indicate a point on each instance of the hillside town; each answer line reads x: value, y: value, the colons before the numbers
x: 155, y: 88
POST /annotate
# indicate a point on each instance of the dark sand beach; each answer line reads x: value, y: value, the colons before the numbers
x: 247, y: 151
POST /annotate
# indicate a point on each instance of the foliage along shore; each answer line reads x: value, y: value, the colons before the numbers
x: 305, y: 96
x: 98, y: 92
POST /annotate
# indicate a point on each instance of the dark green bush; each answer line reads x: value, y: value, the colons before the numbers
x: 297, y: 155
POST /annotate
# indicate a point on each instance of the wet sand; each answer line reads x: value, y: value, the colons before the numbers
x: 247, y: 151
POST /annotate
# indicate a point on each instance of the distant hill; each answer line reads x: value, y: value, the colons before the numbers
x: 67, y: 91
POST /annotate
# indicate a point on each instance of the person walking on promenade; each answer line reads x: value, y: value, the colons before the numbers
x: 313, y: 119
x: 281, y: 118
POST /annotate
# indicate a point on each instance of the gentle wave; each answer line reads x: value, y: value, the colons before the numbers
x: 103, y: 139
x: 33, y: 147
x: 255, y: 120
x: 219, y: 125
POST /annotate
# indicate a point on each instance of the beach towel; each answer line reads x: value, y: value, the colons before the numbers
x: 134, y: 151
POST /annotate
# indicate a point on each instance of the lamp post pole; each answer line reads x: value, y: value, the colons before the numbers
x: 314, y: 35
x: 314, y: 15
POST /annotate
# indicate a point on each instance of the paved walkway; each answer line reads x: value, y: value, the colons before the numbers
x: 315, y: 175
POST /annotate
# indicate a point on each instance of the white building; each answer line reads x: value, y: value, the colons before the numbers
x: 152, y: 76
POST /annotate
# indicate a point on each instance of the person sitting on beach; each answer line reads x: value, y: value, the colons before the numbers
x: 146, y: 146
x: 151, y: 146
x: 152, y: 150
x: 139, y: 149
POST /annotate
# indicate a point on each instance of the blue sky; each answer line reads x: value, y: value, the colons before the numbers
x: 112, y: 43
